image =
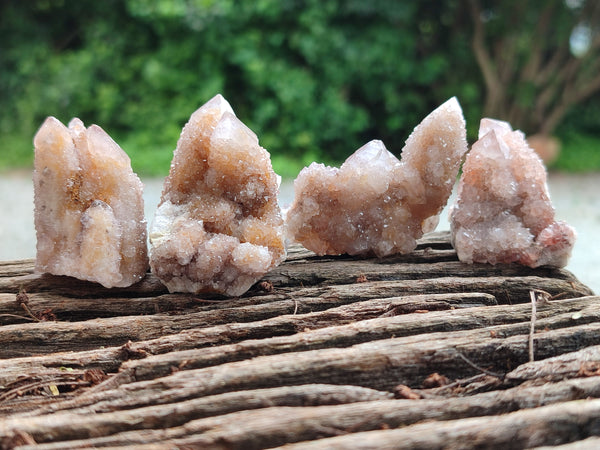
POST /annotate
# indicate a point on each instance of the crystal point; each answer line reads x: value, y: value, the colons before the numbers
x: 375, y: 203
x: 218, y: 227
x: 503, y: 212
x: 89, y: 210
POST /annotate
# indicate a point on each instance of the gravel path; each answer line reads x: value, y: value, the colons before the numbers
x: 576, y: 199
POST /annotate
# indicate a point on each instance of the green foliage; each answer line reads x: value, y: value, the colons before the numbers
x: 315, y: 79
x: 580, y: 153
x: 580, y: 139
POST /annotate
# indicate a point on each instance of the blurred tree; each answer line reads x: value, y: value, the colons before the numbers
x: 315, y: 79
x: 538, y: 59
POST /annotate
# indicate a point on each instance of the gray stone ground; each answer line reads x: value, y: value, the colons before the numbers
x: 576, y: 199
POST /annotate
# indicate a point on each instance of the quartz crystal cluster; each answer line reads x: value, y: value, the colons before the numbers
x: 218, y: 227
x: 89, y: 210
x: 375, y: 203
x: 503, y: 212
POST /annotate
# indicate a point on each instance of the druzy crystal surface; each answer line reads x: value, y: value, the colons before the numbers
x: 218, y: 227
x: 503, y: 212
x: 89, y: 210
x: 375, y: 203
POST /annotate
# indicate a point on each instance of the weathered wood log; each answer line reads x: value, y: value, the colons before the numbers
x: 354, y: 333
x: 551, y: 315
x: 77, y: 309
x: 591, y: 443
x: 45, y: 428
x: 119, y: 330
x: 380, y: 364
x: 26, y: 280
x: 316, y: 349
x: 109, y: 359
x: 23, y: 338
x: 585, y: 362
x: 547, y: 425
x: 433, y: 258
x: 265, y: 424
x: 507, y: 290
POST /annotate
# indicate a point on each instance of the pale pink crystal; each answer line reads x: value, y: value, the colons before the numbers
x: 503, y: 212
x: 218, y: 227
x: 375, y: 203
x: 89, y: 210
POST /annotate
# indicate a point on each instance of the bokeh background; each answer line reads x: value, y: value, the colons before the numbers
x: 315, y: 79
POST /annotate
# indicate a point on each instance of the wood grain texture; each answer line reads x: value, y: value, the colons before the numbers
x: 415, y: 350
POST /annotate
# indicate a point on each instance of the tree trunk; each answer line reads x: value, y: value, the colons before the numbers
x: 418, y: 351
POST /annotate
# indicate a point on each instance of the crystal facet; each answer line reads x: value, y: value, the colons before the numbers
x: 218, y: 227
x: 503, y: 212
x: 89, y: 210
x: 375, y: 203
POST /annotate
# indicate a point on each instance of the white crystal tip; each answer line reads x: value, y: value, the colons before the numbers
x: 452, y: 104
x: 219, y: 102
x: 487, y: 125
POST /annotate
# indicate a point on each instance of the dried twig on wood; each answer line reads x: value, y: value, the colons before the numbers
x: 532, y: 326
